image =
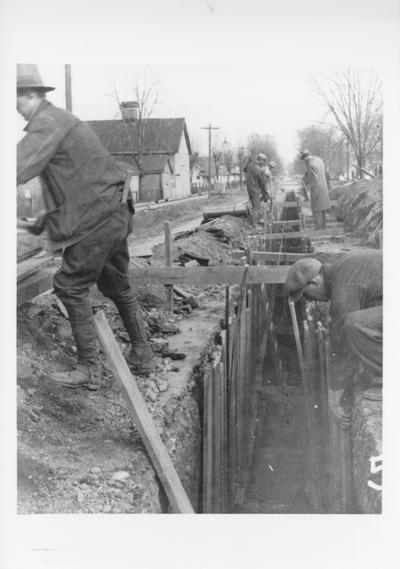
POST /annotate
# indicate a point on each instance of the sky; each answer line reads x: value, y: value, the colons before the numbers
x: 251, y: 66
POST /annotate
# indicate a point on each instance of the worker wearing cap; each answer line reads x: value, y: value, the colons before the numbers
x: 86, y: 217
x: 315, y: 180
x: 256, y: 183
x: 354, y: 286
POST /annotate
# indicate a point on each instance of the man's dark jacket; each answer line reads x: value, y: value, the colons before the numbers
x: 82, y: 183
x: 256, y: 179
x: 353, y: 282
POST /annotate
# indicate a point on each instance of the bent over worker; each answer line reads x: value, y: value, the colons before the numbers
x: 256, y: 183
x: 315, y: 180
x: 85, y: 218
x: 354, y: 286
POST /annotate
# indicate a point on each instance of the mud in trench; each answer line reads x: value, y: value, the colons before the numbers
x: 281, y: 480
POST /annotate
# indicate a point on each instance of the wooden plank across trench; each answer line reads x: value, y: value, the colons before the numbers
x: 33, y: 285
x: 287, y: 258
x: 143, y: 421
x: 298, y: 234
x: 200, y: 276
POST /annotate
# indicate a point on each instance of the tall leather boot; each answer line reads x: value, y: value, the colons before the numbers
x: 141, y: 358
x: 87, y: 372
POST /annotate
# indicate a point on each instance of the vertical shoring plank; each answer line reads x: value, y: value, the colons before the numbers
x: 217, y: 435
x: 341, y: 450
x: 224, y: 431
x: 241, y: 389
x: 207, y: 444
x: 334, y: 469
x: 227, y: 335
x: 168, y: 263
x: 323, y: 381
x: 223, y: 445
x: 232, y: 406
x: 316, y: 489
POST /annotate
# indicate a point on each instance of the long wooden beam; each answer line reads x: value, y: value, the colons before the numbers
x: 143, y: 421
x: 34, y: 285
x: 297, y: 234
x: 200, y: 276
x: 287, y: 258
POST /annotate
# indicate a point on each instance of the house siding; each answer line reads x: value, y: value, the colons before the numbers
x: 181, y: 167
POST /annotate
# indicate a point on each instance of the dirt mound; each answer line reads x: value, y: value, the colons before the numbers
x: 360, y: 207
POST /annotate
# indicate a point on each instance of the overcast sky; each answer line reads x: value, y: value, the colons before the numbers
x: 242, y: 66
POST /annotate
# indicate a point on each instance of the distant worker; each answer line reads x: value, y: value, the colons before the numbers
x: 256, y: 183
x: 86, y: 217
x: 354, y: 286
x: 315, y: 180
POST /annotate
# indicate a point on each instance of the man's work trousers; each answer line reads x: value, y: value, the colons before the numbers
x: 255, y: 201
x: 363, y: 330
x: 319, y: 219
x: 101, y: 258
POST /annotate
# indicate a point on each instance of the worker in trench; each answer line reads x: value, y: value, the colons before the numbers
x: 256, y: 183
x: 88, y: 216
x: 354, y: 286
x: 316, y: 181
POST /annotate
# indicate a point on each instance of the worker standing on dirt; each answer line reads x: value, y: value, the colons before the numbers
x: 256, y: 184
x: 315, y: 180
x: 87, y: 217
x: 354, y: 286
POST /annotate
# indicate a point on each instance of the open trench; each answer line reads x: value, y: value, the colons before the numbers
x: 235, y: 426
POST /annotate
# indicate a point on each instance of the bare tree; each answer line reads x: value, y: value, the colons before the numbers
x: 354, y: 100
x: 265, y: 144
x: 326, y: 142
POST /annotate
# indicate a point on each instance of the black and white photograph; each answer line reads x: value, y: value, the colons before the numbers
x: 201, y: 190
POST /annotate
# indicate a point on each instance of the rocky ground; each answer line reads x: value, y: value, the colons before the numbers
x: 78, y: 451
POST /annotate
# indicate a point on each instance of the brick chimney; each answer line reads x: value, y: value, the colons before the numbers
x: 129, y: 110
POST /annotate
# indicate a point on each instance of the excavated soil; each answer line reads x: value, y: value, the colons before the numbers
x: 78, y: 451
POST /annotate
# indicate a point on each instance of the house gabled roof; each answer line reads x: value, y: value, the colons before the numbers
x: 160, y: 136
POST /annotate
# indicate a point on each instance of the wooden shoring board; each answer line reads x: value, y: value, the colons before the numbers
x: 207, y: 443
x: 29, y: 253
x: 231, y: 409
x: 199, y: 276
x: 31, y: 266
x: 340, y: 450
x: 32, y: 286
x: 142, y: 419
x: 218, y: 435
x: 307, y: 234
x: 224, y: 420
x: 287, y: 258
x: 278, y: 224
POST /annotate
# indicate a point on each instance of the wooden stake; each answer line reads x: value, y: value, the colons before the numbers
x: 168, y: 263
x: 142, y: 419
x: 314, y: 471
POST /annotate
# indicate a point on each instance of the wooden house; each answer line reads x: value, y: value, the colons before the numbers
x: 160, y: 148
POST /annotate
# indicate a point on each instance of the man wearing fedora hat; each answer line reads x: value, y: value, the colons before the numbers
x: 86, y: 217
x: 354, y: 287
x: 315, y: 180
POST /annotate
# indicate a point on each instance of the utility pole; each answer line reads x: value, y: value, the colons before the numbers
x: 209, y: 128
x: 68, y: 92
